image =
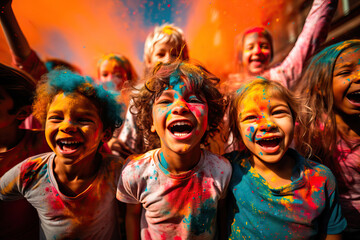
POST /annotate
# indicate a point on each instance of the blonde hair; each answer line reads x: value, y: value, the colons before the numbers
x: 276, y: 90
x: 170, y: 34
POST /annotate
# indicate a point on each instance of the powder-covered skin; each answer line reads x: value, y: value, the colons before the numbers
x: 176, y: 206
x: 89, y: 215
x: 299, y: 210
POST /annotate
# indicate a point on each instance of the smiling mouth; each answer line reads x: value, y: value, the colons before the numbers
x: 181, y: 128
x: 66, y: 145
x: 354, y: 97
x: 269, y: 142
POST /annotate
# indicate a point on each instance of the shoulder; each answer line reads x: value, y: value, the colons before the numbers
x: 217, y: 163
x: 313, y: 171
x: 138, y: 163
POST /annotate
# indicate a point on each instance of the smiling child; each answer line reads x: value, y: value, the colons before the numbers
x: 180, y: 186
x: 72, y: 188
x: 275, y: 192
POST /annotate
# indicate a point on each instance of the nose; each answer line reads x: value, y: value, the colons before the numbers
x: 267, y: 125
x: 68, y: 126
x: 180, y: 107
x: 257, y: 49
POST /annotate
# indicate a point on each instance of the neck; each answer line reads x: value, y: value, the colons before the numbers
x: 276, y: 174
x: 178, y: 163
x: 348, y: 125
x: 10, y: 137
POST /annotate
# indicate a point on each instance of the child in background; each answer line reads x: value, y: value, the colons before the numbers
x: 275, y: 192
x: 18, y: 219
x: 180, y: 186
x: 331, y: 87
x: 72, y: 188
x: 116, y: 72
x: 255, y: 48
x: 165, y: 44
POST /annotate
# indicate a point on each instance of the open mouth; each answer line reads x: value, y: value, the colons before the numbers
x: 354, y: 97
x: 269, y: 142
x: 66, y: 145
x: 181, y: 128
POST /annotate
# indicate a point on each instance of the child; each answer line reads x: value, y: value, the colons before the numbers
x: 180, y: 186
x: 331, y: 86
x: 254, y: 48
x: 116, y: 72
x: 277, y: 194
x: 165, y: 44
x: 72, y: 188
x: 18, y: 219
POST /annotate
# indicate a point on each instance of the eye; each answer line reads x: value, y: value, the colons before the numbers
x: 85, y: 120
x: 195, y: 99
x: 343, y: 73
x: 54, y: 118
x: 250, y: 118
x: 104, y: 74
x: 160, y: 54
x: 264, y: 46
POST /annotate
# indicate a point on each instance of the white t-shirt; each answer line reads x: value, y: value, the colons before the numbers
x: 89, y: 215
x: 176, y: 206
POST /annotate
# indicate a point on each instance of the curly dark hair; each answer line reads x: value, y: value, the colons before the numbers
x: 193, y: 76
x: 65, y: 81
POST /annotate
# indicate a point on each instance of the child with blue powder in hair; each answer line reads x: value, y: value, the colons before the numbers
x: 73, y: 187
x: 331, y: 88
x: 274, y: 192
x: 176, y: 191
x: 18, y: 219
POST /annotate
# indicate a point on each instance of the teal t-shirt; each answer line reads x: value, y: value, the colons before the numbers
x: 301, y: 210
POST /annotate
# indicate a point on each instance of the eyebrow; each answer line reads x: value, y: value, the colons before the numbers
x: 343, y: 65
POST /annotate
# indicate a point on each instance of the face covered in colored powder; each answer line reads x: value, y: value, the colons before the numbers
x: 266, y: 126
x: 73, y: 128
x: 256, y: 53
x: 346, y: 82
x: 180, y: 117
x: 112, y: 74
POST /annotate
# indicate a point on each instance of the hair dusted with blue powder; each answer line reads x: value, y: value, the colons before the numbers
x: 67, y: 82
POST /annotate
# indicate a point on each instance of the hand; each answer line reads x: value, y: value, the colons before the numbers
x: 119, y: 147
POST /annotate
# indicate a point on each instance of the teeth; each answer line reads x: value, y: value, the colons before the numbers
x: 180, y: 134
x: 68, y: 142
x: 181, y: 123
x: 270, y: 139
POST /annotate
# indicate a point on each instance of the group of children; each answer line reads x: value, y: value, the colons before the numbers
x: 171, y: 186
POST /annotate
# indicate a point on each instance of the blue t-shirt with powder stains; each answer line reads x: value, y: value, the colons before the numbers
x: 303, y: 209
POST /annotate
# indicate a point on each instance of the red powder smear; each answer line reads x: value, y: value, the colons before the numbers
x: 29, y: 170
x: 193, y: 190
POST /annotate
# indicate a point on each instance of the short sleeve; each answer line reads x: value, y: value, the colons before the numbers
x: 336, y: 222
x: 127, y: 186
x: 10, y: 184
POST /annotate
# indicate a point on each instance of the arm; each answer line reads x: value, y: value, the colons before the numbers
x: 333, y: 237
x: 222, y: 219
x: 311, y: 37
x: 132, y: 221
x: 15, y: 37
x: 23, y: 56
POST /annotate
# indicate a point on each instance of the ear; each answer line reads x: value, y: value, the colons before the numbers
x: 152, y: 129
x: 23, y: 113
x: 107, y: 135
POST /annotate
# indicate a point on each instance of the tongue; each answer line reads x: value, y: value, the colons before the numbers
x: 69, y: 147
x: 270, y: 143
